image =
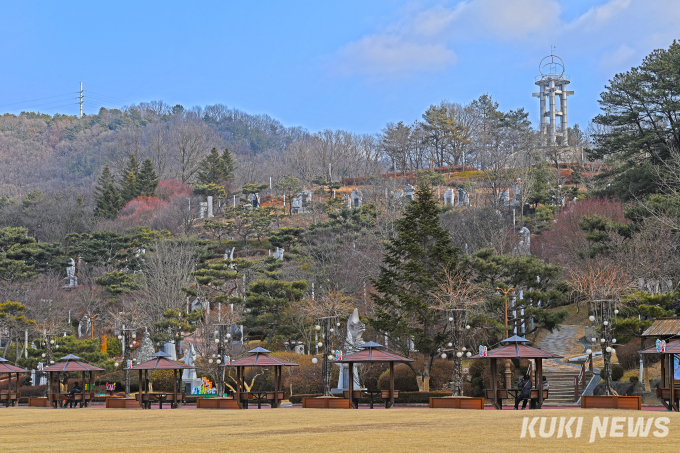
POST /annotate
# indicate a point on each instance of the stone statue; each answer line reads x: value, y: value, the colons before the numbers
x: 86, y: 323
x: 189, y: 355
x: 146, y: 348
x: 524, y: 246
x: 355, y: 329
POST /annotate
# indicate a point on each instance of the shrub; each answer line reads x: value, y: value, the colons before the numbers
x: 114, y: 348
x: 404, y: 379
x: 163, y: 380
x: 617, y: 372
x: 629, y: 354
x: 372, y: 372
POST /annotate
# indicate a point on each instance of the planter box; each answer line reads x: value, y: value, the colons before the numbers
x: 122, y: 403
x: 38, y: 402
x: 325, y: 403
x: 611, y: 402
x: 456, y: 402
x: 216, y: 403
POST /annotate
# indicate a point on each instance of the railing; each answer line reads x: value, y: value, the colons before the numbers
x: 582, y: 377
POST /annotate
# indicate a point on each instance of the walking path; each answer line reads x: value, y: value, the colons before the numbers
x: 562, y: 342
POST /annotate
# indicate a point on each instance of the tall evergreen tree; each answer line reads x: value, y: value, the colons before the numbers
x: 129, y: 188
x: 640, y: 124
x: 148, y: 180
x: 129, y: 184
x: 229, y: 165
x: 212, y: 169
x: 414, y: 263
x: 107, y: 197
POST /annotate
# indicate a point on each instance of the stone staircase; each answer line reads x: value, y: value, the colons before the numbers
x: 562, y: 387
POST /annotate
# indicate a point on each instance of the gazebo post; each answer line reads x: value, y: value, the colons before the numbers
x: 671, y: 366
x: 539, y: 378
x: 663, y: 372
x: 494, y: 384
x: 351, y: 385
x: 276, y: 387
x: 50, y: 378
x: 140, y: 389
x: 391, y: 384
x: 174, y: 392
x: 238, y: 385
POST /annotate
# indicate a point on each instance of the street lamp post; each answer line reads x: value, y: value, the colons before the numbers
x: 508, y: 373
x: 125, y: 335
x: 606, y: 308
x: 327, y: 344
x: 221, y: 337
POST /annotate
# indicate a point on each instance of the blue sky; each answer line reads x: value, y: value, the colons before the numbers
x: 348, y: 64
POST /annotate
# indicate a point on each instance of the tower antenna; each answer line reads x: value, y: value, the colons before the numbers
x: 80, y: 100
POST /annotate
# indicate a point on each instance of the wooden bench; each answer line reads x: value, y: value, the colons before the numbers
x: 386, y: 396
x: 611, y: 402
x: 121, y: 403
x: 217, y: 403
x: 38, y: 402
x: 356, y: 395
x: 664, y: 394
x: 10, y: 398
x: 82, y: 399
x: 149, y: 398
x: 502, y: 394
x: 326, y: 403
x: 456, y: 402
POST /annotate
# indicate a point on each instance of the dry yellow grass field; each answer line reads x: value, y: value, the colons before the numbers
x: 422, y: 430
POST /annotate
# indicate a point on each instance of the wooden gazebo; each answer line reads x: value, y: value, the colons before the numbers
x: 514, y: 348
x: 669, y: 392
x: 372, y: 353
x: 9, y: 397
x: 259, y: 357
x: 71, y: 364
x: 159, y: 361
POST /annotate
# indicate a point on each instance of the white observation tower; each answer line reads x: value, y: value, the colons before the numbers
x: 553, y: 84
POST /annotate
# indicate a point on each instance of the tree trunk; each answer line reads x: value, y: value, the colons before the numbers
x: 9, y: 336
x: 427, y: 366
x: 457, y: 376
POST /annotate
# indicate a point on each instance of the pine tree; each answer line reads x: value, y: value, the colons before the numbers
x: 148, y: 180
x: 107, y: 197
x: 229, y: 165
x: 129, y: 184
x: 212, y: 169
x: 414, y: 263
x: 129, y: 188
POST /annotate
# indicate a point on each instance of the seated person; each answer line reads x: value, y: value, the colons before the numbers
x: 71, y: 400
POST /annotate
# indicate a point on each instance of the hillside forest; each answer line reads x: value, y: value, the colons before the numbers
x: 105, y: 224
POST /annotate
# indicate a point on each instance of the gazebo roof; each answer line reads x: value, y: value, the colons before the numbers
x: 371, y: 354
x: 516, y: 349
x: 5, y: 367
x: 72, y: 363
x: 671, y: 348
x: 160, y: 361
x: 663, y: 327
x: 260, y: 357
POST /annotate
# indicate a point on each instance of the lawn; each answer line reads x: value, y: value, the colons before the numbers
x: 423, y: 430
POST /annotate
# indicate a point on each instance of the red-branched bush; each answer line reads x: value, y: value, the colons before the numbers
x: 141, y: 209
x: 172, y: 189
x: 562, y: 243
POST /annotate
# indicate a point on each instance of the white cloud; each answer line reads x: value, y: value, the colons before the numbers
x: 385, y: 55
x: 423, y: 40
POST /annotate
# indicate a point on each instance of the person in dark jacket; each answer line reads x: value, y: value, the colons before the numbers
x: 71, y: 400
x: 534, y: 401
x: 525, y: 392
